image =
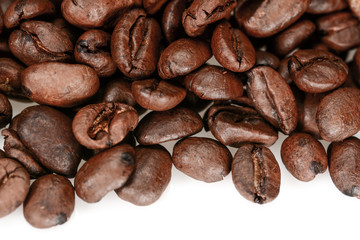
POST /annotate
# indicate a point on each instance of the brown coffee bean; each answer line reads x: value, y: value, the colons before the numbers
x: 338, y: 115
x: 10, y: 81
x: 201, y: 13
x: 354, y: 7
x: 50, y: 202
x: 159, y: 127
x: 303, y: 156
x: 344, y: 160
x: 5, y: 111
x: 105, y: 172
x: 272, y: 98
x: 235, y: 124
x: 27, y: 9
x: 59, y: 84
x: 266, y: 18
x: 267, y: 59
x: 316, y: 71
x: 341, y: 31
x: 14, y: 185
x: 103, y: 125
x: 232, y: 48
x: 256, y: 173
x: 183, y: 56
x: 135, y: 44
x: 328, y: 6
x: 119, y: 90
x: 94, y: 14
x: 292, y: 37
x: 93, y: 49
x: 203, y: 159
x: 150, y: 178
x: 153, y: 6
x: 284, y: 70
x: 157, y: 95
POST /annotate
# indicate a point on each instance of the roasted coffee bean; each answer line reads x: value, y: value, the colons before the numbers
x: 103, y: 125
x: 159, y: 127
x: 338, y: 115
x: 119, y: 90
x: 150, y: 178
x: 201, y: 13
x: 341, y: 31
x: 135, y: 44
x: 153, y: 6
x: 14, y: 185
x: 27, y: 9
x: 50, y: 202
x: 72, y: 31
x: 157, y: 95
x: 292, y: 37
x: 354, y: 7
x: 5, y: 111
x: 94, y: 14
x: 344, y: 159
x: 232, y: 48
x: 284, y: 70
x: 272, y: 98
x: 10, y: 80
x: 104, y: 172
x: 235, y: 124
x: 59, y: 84
x: 267, y: 59
x: 183, y: 56
x: 93, y: 49
x: 266, y: 18
x: 328, y: 6
x: 214, y: 83
x: 203, y: 159
x: 316, y: 71
x: 256, y: 173
x: 303, y: 156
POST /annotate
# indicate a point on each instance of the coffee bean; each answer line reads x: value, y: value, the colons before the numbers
x: 303, y: 156
x: 50, y: 202
x: 103, y: 125
x: 272, y: 98
x: 267, y: 59
x: 183, y: 56
x: 5, y: 111
x: 10, y: 81
x: 59, y: 84
x: 14, y: 185
x: 153, y: 6
x: 119, y: 90
x: 321, y: 6
x: 203, y: 159
x: 135, y: 44
x: 338, y: 115
x: 159, y: 127
x: 104, y: 172
x: 284, y: 70
x: 150, y: 178
x: 256, y: 173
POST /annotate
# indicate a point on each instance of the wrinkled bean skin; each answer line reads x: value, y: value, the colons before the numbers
x: 203, y: 159
x: 272, y: 98
x: 150, y: 178
x: 232, y: 48
x: 104, y: 172
x: 265, y: 18
x: 135, y: 44
x: 159, y: 127
x: 14, y: 185
x: 232, y: 125
x: 214, y: 83
x: 26, y: 9
x: 10, y: 80
x: 5, y: 111
x: 50, y: 202
x: 38, y: 42
x: 202, y: 12
x: 338, y: 115
x: 119, y: 90
x: 344, y: 160
x: 256, y: 173
x: 153, y: 6
x: 103, y: 125
x: 157, y: 95
x: 303, y: 156
x: 325, y: 6
x: 59, y: 84
x: 93, y: 14
x: 267, y: 59
x: 183, y: 56
x: 47, y: 134
x: 93, y: 49
x: 316, y: 71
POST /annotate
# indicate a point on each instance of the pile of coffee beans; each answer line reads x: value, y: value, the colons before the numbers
x: 115, y: 79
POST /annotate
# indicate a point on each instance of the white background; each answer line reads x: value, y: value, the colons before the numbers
x: 190, y: 209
